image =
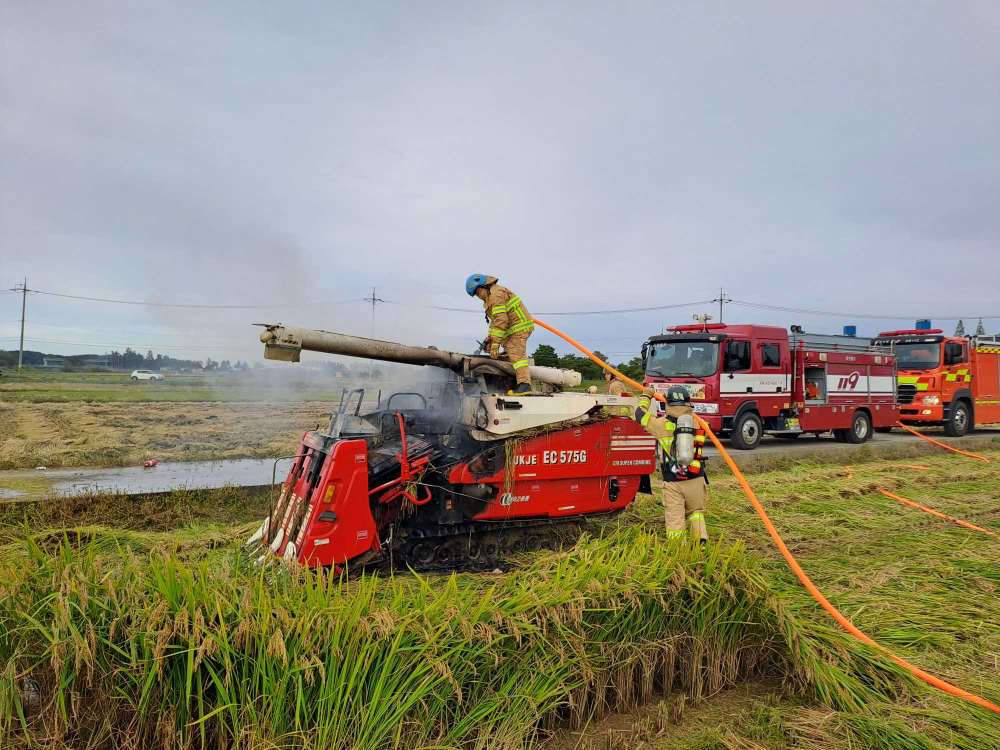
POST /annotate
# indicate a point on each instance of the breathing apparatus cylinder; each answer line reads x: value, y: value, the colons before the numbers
x: 684, y: 440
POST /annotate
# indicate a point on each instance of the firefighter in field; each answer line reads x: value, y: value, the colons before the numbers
x: 617, y: 388
x: 510, y: 325
x: 681, y: 440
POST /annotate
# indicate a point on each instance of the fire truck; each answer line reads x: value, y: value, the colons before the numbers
x: 952, y: 381
x: 747, y: 381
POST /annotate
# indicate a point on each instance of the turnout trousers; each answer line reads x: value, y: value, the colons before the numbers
x: 515, y: 349
x: 684, y: 505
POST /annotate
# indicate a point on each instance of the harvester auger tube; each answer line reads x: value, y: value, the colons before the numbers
x: 286, y: 343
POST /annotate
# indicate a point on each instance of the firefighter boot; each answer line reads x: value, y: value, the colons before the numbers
x: 522, y: 389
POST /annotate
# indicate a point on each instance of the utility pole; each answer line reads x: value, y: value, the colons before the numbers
x: 24, y: 304
x: 374, y: 300
x: 721, y: 299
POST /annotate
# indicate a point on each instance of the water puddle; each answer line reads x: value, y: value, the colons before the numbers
x: 190, y: 475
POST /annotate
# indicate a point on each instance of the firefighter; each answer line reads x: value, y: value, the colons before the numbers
x: 685, y: 487
x: 510, y: 325
x: 617, y: 388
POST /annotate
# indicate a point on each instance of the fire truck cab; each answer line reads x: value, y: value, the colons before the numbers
x: 952, y: 381
x: 746, y: 381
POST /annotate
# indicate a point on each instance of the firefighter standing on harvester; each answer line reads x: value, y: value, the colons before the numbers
x: 681, y: 440
x: 510, y: 325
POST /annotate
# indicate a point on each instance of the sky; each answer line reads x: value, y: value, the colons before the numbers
x: 838, y: 157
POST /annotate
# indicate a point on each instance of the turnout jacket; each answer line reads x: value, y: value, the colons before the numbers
x: 662, y: 428
x: 505, y: 312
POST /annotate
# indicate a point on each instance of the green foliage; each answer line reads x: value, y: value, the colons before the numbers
x: 545, y: 356
x: 632, y: 368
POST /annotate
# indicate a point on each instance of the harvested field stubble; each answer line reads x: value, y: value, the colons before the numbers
x: 121, y: 434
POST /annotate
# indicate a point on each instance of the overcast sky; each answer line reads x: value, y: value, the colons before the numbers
x: 832, y: 156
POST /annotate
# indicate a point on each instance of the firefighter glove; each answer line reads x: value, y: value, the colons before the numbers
x: 494, y: 350
x: 649, y: 392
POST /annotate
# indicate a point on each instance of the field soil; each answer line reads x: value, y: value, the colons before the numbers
x: 123, y: 433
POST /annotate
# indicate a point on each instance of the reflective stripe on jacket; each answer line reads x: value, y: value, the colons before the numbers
x: 662, y: 428
x: 506, y: 313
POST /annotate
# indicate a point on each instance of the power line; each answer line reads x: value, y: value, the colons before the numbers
x: 105, y: 344
x: 199, y: 307
x: 551, y: 313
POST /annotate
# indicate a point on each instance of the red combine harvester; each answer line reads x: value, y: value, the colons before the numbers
x: 747, y: 381
x: 450, y: 473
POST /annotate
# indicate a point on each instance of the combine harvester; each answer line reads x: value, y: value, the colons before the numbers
x: 457, y: 473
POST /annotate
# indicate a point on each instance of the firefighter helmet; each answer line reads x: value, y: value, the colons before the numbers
x: 678, y: 395
x: 474, y: 282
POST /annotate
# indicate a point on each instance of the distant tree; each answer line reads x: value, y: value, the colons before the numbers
x: 225, y: 366
x: 632, y: 368
x: 960, y: 329
x: 210, y: 364
x: 545, y: 356
x: 980, y: 331
x: 588, y: 369
x: 149, y: 357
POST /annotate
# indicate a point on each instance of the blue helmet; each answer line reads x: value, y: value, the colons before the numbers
x: 474, y: 282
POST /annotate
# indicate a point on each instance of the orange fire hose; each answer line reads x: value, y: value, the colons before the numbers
x: 789, y: 558
x: 939, y: 514
x: 930, y: 440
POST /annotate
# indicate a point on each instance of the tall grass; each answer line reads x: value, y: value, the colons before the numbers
x: 150, y: 652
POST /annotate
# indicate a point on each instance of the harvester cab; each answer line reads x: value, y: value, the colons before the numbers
x: 451, y: 472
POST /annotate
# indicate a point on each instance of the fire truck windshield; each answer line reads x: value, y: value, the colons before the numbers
x: 697, y: 359
x: 917, y: 356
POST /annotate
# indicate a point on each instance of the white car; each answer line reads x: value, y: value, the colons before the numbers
x: 146, y: 375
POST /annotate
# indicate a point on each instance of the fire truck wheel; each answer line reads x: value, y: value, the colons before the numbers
x: 959, y: 422
x: 746, y: 432
x: 860, y: 429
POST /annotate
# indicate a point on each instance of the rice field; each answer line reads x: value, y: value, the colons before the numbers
x: 126, y: 624
x: 124, y: 434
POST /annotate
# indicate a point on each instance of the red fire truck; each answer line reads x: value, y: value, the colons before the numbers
x: 747, y: 381
x: 947, y: 380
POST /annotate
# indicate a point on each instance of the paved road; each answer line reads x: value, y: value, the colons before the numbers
x: 808, y: 444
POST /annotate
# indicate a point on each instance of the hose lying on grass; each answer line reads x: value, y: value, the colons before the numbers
x: 939, y: 514
x: 780, y: 543
x: 937, y: 442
